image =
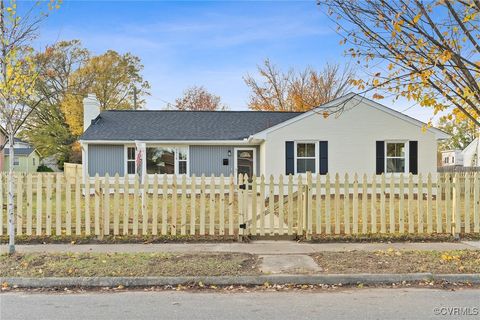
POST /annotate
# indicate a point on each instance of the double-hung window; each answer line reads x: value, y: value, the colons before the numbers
x: 395, y: 157
x: 167, y: 160
x: 306, y: 157
x: 131, y: 166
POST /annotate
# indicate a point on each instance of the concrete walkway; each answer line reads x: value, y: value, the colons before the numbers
x: 255, y: 247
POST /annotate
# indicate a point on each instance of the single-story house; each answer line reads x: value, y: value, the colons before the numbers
x: 452, y: 158
x: 358, y: 136
x: 24, y: 160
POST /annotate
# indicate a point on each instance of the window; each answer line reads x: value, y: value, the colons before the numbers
x: 33, y: 161
x: 131, y: 167
x: 169, y: 160
x: 306, y: 157
x: 395, y: 157
x: 446, y: 159
x: 16, y: 161
x: 453, y: 159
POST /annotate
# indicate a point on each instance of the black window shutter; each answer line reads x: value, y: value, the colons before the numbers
x: 380, y: 164
x: 413, y: 158
x: 323, y: 150
x: 289, y: 157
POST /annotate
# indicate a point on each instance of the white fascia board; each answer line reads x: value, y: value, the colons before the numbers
x: 177, y: 142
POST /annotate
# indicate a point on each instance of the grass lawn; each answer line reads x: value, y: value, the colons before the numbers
x: 393, y: 261
x: 128, y: 265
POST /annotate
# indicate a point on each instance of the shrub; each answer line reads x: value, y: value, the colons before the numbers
x: 44, y: 168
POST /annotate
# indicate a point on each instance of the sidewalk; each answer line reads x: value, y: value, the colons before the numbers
x: 255, y: 247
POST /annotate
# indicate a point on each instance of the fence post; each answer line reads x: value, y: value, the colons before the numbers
x: 456, y: 216
x: 241, y: 224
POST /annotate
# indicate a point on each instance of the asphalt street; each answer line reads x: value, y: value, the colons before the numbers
x: 346, y: 304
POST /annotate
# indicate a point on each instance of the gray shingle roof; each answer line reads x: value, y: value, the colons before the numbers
x: 19, y: 151
x: 181, y: 125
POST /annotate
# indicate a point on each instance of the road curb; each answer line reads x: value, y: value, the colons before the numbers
x: 345, y: 279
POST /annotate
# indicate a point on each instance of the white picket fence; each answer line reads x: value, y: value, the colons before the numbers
x: 49, y: 204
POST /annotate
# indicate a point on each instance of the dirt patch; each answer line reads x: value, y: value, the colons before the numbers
x: 395, y: 261
x: 128, y: 265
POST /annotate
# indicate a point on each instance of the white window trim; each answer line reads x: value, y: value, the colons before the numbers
x: 317, y: 155
x: 235, y: 160
x: 125, y: 152
x: 176, y: 147
x: 407, y: 156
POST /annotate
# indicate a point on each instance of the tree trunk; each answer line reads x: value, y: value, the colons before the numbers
x: 11, y: 212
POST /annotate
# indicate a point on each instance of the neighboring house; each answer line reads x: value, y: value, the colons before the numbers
x: 471, y: 154
x: 452, y: 158
x: 24, y: 160
x: 366, y: 137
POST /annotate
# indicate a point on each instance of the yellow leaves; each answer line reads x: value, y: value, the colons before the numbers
x: 377, y: 96
x: 390, y: 66
x: 325, y: 114
x: 397, y: 26
x: 376, y: 82
x: 445, y: 56
x: 417, y: 18
x: 448, y: 257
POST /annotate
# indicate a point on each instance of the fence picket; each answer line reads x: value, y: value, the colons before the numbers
x: 19, y: 211
x: 271, y: 205
x: 145, y: 215
x: 448, y: 203
x: 68, y: 206
x: 262, y: 205
x: 253, y: 228
x: 346, y: 204
x: 373, y: 212
x: 300, y: 206
x: 383, y: 217
x: 411, y: 223
x: 105, y: 222
x: 116, y: 205
x: 401, y: 200
x: 429, y: 205
x: 364, y: 204
x: 476, y: 203
x: 183, y: 207
x: 202, y: 206
x: 328, y: 222
x: 126, y: 204
x: 97, y: 204
x: 173, y: 224
x: 420, y: 227
x: 164, y: 204
x: 87, y: 205
x: 309, y: 210
x: 281, y: 213
x: 337, y: 204
x: 136, y: 205
x: 193, y: 205
x: 355, y: 203
x: 438, y: 201
x: 38, y: 229
x: 290, y: 205
x: 48, y: 220
x: 78, y: 211
x: 456, y: 204
x: 29, y: 204
x: 391, y: 204
x: 467, y: 203
x: 58, y: 205
x: 155, y: 205
x: 211, y: 208
x: 231, y: 201
x: 221, y: 206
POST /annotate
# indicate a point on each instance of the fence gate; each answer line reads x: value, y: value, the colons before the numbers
x: 274, y: 207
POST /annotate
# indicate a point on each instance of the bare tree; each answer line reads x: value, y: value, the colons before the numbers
x: 18, y: 74
x: 296, y: 91
x: 425, y: 51
x: 197, y: 98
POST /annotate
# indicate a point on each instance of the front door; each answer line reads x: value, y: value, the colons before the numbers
x: 245, y: 161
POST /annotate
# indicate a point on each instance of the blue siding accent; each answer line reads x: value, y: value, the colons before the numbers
x: 208, y: 160
x: 104, y: 159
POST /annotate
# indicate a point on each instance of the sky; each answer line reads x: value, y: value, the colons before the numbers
x: 209, y: 43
